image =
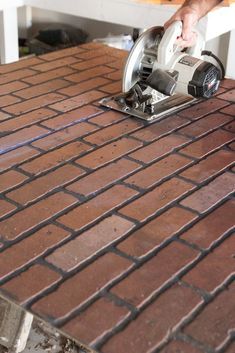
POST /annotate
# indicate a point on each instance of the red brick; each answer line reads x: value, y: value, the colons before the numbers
x: 229, y: 110
x: 48, y: 76
x: 179, y: 347
x: 140, y: 285
x: 88, y: 64
x: 231, y: 348
x: 7, y: 100
x: 208, y: 144
x: 103, y: 177
x: 215, y: 268
x: 100, y: 51
x: 12, y: 87
x: 88, y: 74
x: 42, y: 89
x: 153, y: 325
x: 55, y: 158
x: 163, y: 195
x: 210, y: 166
x: 79, y: 88
x: 6, y: 207
x: 118, y: 64
x: 61, y: 53
x: 21, y: 137
x: 15, y: 157
x: 30, y: 248
x: 208, y: 196
x: 77, y: 101
x: 90, y: 243
x: 201, y: 109
x: 30, y: 283
x: 205, y: 125
x: 48, y: 66
x: 81, y: 287
x: 59, y: 138
x: 34, y: 103
x: 112, y: 88
x: 115, y: 75
x: 97, y: 207
x: 99, y: 319
x: 228, y: 96
x: 160, y: 128
x: 213, y: 325
x: 109, y: 153
x: 4, y: 116
x: 232, y: 146
x: 41, y: 186
x: 28, y: 218
x: 227, y: 83
x: 154, y: 233
x: 158, y: 171
x: 108, y: 118
x: 213, y: 227
x: 16, y: 75
x: 112, y: 132
x: 19, y: 65
x: 159, y: 148
x: 10, y: 179
x: 230, y: 127
x: 26, y: 119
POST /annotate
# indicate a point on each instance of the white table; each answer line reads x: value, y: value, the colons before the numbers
x: 124, y: 12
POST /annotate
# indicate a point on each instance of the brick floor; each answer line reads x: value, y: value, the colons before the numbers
x: 118, y: 232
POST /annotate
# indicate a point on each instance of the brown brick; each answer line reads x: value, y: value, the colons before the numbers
x: 48, y: 76
x: 30, y: 283
x: 15, y: 157
x: 67, y: 119
x: 99, y: 319
x: 88, y: 64
x: 55, y: 158
x: 90, y: 73
x: 31, y: 248
x: 19, y: 65
x: 232, y: 146
x: 150, y: 236
x: 61, y: 53
x: 28, y: 218
x: 179, y: 347
x: 108, y: 118
x: 79, y: 88
x: 7, y: 100
x: 208, y: 196
x: 230, y: 127
x: 6, y: 207
x: 210, y: 166
x: 21, y: 137
x: 34, y: 103
x: 148, y: 204
x: 26, y: 119
x: 229, y: 110
x: 205, y: 125
x: 90, y: 243
x: 48, y: 66
x: 211, y: 228
x: 59, y: 138
x: 12, y: 87
x: 42, y: 89
x: 41, y: 186
x: 16, y: 75
x: 4, y: 116
x: 112, y: 132
x: 112, y: 88
x: 100, y: 51
x: 115, y: 75
x: 109, y: 153
x: 158, y: 171
x: 118, y: 64
x: 213, y: 325
x: 208, y: 144
x: 159, y: 148
x: 77, y: 101
x: 141, y: 284
x: 84, y: 285
x: 228, y: 96
x: 103, y: 177
x: 160, y: 128
x: 231, y: 348
x: 10, y: 179
x: 153, y: 325
x: 227, y: 83
x: 201, y: 109
x: 97, y: 207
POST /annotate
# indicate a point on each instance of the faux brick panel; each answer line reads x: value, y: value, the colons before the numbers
x: 140, y: 285
x: 229, y: 110
x: 30, y: 249
x: 16, y: 75
x: 56, y: 64
x: 159, y: 148
x: 158, y: 171
x: 228, y: 83
x: 112, y: 88
x: 211, y: 228
x: 90, y: 73
x: 30, y: 283
x: 88, y: 64
x: 38, y: 90
x: 228, y: 96
x: 201, y: 109
x: 19, y: 65
x: 61, y: 53
x: 116, y: 75
x: 231, y: 348
x: 74, y: 90
x: 12, y: 87
x: 108, y: 118
x: 208, y: 196
x: 8, y: 100
x: 32, y: 216
x: 47, y: 76
x: 69, y: 296
x: 179, y: 347
x: 15, y: 157
x: 104, y: 312
x: 150, y: 236
x: 4, y: 116
x: 103, y: 177
x: 41, y: 186
x: 153, y: 325
x: 90, y: 243
x: 6, y: 207
x: 11, y: 179
x: 97, y: 207
x: 214, y: 269
x: 147, y: 205
x: 210, y: 326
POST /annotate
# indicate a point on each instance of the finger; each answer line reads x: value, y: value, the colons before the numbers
x: 188, y: 24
